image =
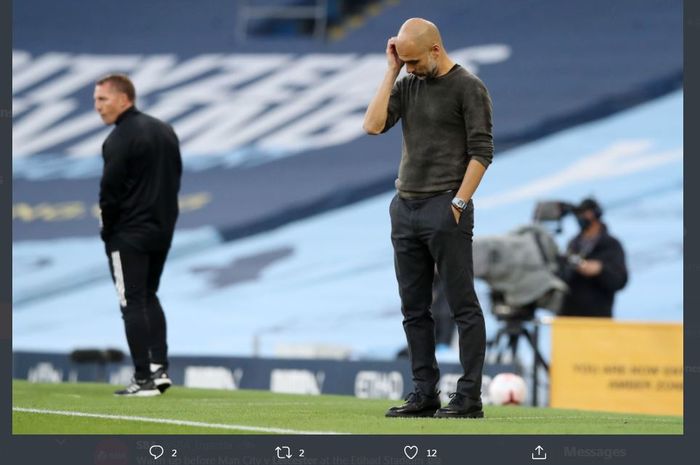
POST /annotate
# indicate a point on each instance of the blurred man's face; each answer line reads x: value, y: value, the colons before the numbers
x: 588, y: 214
x: 585, y: 218
x: 420, y: 63
x: 109, y: 102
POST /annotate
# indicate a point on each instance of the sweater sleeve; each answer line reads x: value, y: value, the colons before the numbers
x: 394, y: 109
x: 478, y: 124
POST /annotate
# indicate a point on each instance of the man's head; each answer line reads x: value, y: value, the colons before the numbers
x: 588, y: 212
x: 113, y: 95
x: 419, y: 46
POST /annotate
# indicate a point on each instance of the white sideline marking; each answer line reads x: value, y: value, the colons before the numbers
x: 256, y: 429
x: 651, y: 420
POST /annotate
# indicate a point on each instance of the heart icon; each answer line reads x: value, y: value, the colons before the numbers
x: 411, y: 452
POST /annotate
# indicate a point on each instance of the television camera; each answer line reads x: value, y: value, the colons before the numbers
x: 524, y: 270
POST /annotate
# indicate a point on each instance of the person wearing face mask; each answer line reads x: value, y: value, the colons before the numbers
x: 596, y: 265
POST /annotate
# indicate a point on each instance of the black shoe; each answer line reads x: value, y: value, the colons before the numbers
x: 460, y: 407
x: 417, y: 405
x: 161, y: 380
x: 139, y: 388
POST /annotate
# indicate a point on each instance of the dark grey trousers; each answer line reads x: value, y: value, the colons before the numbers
x: 444, y: 324
x: 424, y: 234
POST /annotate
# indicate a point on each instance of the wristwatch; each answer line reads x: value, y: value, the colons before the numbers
x: 459, y: 204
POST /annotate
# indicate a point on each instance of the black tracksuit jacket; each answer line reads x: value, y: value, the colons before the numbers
x: 140, y: 182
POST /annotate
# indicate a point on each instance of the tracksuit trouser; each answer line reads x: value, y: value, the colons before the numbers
x: 136, y: 277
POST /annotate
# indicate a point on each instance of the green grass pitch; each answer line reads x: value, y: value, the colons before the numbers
x: 52, y: 409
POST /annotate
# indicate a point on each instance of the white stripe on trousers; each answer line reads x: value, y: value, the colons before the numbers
x: 119, y: 277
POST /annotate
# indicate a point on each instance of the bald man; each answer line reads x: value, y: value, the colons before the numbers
x: 445, y: 114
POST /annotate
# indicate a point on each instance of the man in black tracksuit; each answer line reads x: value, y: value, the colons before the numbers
x: 139, y: 208
x: 598, y: 269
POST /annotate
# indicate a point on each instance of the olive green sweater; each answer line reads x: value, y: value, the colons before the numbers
x: 446, y: 122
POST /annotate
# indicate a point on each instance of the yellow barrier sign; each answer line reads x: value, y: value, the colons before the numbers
x: 607, y: 365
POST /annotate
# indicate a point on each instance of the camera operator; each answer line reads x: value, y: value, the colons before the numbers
x: 595, y: 265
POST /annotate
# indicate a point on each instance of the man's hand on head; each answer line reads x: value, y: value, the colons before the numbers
x: 392, y: 55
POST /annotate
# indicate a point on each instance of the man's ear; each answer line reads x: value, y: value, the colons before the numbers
x: 124, y: 100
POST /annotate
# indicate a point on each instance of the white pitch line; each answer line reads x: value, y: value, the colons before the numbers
x: 642, y: 419
x: 255, y: 429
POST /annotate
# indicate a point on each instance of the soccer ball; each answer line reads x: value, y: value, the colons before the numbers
x: 507, y: 389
